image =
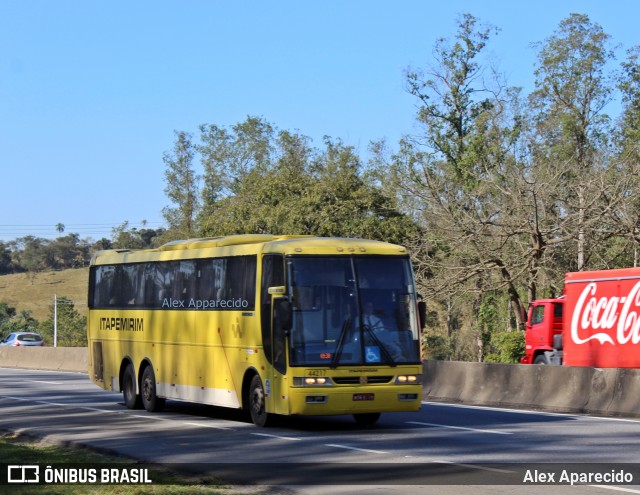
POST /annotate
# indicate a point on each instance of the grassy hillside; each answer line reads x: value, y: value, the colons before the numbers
x: 24, y: 292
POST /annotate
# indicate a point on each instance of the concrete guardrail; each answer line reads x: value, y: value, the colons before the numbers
x: 45, y: 358
x: 602, y: 391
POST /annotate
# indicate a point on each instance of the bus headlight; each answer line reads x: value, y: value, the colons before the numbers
x: 311, y: 381
x: 408, y: 379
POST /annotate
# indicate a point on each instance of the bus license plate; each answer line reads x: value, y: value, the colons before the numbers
x: 363, y: 396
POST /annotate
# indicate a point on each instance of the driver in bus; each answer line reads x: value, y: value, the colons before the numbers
x: 376, y: 325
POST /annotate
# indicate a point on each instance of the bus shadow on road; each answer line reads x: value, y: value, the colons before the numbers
x: 297, y: 423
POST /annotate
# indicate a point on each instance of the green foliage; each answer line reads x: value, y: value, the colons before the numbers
x: 181, y: 186
x: 6, y: 264
x: 260, y: 180
x: 488, y: 320
x: 12, y: 321
x: 451, y: 99
x: 498, y: 195
x: 437, y: 347
x: 28, y: 450
x: 34, y: 254
x: 6, y: 313
x: 511, y: 191
x: 71, y: 326
x: 505, y: 347
x: 125, y: 237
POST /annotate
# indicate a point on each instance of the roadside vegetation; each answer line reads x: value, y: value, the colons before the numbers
x: 497, y: 193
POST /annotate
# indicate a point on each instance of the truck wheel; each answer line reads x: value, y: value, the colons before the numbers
x: 540, y: 359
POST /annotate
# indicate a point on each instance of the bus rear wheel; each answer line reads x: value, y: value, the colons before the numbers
x: 259, y: 416
x: 131, y: 398
x: 366, y: 419
x: 150, y: 399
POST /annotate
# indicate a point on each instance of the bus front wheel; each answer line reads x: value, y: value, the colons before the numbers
x: 150, y: 399
x: 257, y: 403
x: 131, y: 398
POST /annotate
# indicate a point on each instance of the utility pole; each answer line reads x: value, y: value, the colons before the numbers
x: 55, y: 320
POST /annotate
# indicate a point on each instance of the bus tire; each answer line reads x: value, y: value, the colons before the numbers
x: 150, y: 399
x: 131, y: 399
x: 259, y: 416
x: 366, y: 419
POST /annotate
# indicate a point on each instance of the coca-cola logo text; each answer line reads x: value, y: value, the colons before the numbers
x: 606, y: 313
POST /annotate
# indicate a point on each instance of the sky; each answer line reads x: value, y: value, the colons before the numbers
x: 91, y: 92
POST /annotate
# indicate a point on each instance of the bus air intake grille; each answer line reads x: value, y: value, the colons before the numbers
x: 362, y: 380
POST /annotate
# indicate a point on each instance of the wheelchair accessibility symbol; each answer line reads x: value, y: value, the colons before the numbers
x: 372, y: 354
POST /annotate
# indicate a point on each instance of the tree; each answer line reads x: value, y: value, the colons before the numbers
x: 67, y: 252
x: 181, y: 187
x: 71, y: 326
x: 259, y: 180
x: 6, y: 264
x: 572, y: 90
x: 505, y: 189
x: 30, y: 255
x: 10, y: 321
x: 126, y: 237
x: 343, y: 200
x: 232, y: 158
x: 452, y: 178
x: 450, y: 93
x: 627, y: 216
x: 6, y: 313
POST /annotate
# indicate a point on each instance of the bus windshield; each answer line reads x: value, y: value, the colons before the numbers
x: 358, y: 310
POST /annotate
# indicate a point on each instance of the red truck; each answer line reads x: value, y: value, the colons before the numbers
x: 595, y: 323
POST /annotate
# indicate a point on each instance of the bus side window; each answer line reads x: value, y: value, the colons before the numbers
x: 206, y: 289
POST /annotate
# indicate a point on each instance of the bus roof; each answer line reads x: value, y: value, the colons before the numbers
x: 243, y: 244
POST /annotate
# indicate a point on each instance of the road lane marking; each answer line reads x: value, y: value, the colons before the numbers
x: 217, y: 427
x: 420, y: 423
x: 103, y: 411
x: 528, y: 411
x: 48, y: 383
x: 157, y: 418
x: 280, y: 437
x: 347, y: 447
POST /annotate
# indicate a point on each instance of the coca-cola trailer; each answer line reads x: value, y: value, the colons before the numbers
x: 595, y: 323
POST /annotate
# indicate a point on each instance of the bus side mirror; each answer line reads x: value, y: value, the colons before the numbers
x: 422, y: 313
x: 282, y: 314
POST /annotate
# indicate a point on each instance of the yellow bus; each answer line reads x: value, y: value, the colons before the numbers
x: 273, y: 325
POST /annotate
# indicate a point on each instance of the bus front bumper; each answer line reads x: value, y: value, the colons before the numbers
x: 355, y: 400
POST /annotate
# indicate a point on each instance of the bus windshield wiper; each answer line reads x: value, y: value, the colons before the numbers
x: 343, y: 333
x: 388, y: 359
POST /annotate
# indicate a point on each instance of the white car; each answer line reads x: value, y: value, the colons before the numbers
x: 23, y: 339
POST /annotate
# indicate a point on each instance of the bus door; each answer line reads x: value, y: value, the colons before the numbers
x: 274, y: 321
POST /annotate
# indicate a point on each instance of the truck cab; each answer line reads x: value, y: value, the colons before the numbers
x: 543, y: 336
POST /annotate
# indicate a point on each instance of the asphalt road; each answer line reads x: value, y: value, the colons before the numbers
x: 446, y: 444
